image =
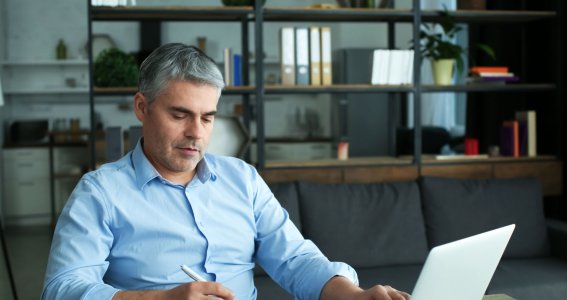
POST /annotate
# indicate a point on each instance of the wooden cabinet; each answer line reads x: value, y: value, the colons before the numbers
x: 26, y: 184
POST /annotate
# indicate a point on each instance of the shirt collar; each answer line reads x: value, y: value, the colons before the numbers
x: 145, y: 171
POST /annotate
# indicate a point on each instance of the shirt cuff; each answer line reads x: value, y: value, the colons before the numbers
x: 337, y: 269
x: 101, y: 291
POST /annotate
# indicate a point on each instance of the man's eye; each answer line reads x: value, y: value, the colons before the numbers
x: 178, y: 117
x: 208, y: 119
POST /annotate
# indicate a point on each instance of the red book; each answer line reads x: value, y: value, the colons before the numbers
x: 487, y: 69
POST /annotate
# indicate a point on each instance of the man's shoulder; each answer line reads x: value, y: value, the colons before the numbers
x: 112, y: 171
x: 227, y: 164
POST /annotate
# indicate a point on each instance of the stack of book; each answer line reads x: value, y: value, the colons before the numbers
x: 518, y: 137
x: 305, y: 56
x: 392, y: 67
x: 232, y: 68
x: 491, y: 75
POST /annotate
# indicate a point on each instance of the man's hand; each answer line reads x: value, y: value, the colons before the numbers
x: 341, y: 288
x: 385, y: 292
x: 187, y: 291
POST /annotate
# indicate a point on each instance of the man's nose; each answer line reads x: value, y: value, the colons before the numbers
x: 193, y: 128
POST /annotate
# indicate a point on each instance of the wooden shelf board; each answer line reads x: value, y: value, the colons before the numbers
x: 45, y: 63
x: 238, y: 13
x: 399, y: 15
x: 38, y: 91
x: 171, y: 13
x: 336, y: 88
x: 513, y: 87
x: 431, y: 160
x: 355, y: 161
x: 427, y: 160
x: 115, y: 91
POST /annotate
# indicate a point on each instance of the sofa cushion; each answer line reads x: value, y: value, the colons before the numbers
x: 286, y: 193
x: 531, y: 279
x: 456, y: 208
x: 365, y: 225
x: 268, y: 289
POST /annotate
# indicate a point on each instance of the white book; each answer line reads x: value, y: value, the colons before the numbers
x: 383, y: 77
x: 397, y: 67
x: 379, y: 65
x: 410, y: 58
x: 376, y: 63
x: 287, y: 55
x: 228, y: 67
x: 528, y: 135
x: 1, y: 93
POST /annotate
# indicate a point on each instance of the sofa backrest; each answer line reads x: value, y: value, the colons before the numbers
x: 457, y: 208
x: 287, y: 195
x: 365, y: 225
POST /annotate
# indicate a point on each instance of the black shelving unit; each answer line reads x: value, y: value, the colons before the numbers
x: 258, y: 16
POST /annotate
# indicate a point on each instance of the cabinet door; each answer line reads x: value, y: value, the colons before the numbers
x: 26, y: 182
x: 26, y: 163
x: 26, y: 197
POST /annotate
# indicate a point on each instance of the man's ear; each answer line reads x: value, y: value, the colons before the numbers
x: 140, y: 106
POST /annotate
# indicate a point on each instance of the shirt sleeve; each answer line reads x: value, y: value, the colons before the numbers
x: 80, y: 247
x: 292, y: 261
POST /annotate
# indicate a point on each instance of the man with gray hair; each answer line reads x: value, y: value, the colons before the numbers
x: 130, y: 224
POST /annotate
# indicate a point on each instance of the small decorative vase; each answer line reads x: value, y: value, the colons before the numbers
x: 443, y: 71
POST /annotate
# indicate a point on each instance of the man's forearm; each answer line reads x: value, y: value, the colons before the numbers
x: 339, y: 287
x: 192, y: 290
x: 139, y: 295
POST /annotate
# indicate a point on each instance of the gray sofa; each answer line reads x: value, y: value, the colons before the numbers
x: 385, y: 230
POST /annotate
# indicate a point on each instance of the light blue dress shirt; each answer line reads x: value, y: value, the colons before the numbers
x: 127, y: 228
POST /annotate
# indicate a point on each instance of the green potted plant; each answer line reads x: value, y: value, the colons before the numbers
x: 439, y: 47
x: 113, y: 67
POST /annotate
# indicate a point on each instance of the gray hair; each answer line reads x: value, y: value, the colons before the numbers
x: 176, y: 61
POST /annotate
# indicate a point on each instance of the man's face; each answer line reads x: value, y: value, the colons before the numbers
x: 177, y: 127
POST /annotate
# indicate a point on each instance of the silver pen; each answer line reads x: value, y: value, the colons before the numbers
x: 192, y: 273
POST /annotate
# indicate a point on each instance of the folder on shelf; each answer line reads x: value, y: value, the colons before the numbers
x: 302, y: 55
x: 315, y: 55
x: 287, y: 55
x: 528, y: 135
x: 228, y: 67
x: 326, y: 58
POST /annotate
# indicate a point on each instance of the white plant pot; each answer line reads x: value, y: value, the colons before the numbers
x: 443, y: 71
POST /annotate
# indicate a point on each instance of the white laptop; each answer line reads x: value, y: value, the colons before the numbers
x: 462, y: 269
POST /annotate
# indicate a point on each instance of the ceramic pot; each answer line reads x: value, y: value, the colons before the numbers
x: 443, y: 71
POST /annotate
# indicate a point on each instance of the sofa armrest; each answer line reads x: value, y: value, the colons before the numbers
x: 557, y: 231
